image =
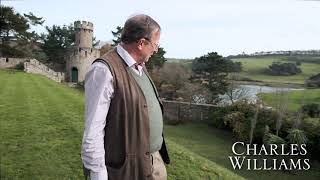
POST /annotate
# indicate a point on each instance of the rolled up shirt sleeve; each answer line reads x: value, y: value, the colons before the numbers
x: 99, y: 91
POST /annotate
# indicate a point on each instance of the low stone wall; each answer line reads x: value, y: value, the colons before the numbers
x: 36, y: 67
x: 11, y: 62
x: 183, y: 111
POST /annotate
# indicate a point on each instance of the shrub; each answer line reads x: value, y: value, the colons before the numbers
x: 237, y: 67
x: 244, y: 107
x: 270, y: 138
x: 297, y: 136
x: 311, y: 128
x: 314, y: 81
x: 217, y: 116
x: 238, y: 123
x: 19, y: 66
x: 234, y: 117
x: 237, y: 117
x: 283, y: 69
x: 312, y: 110
x: 266, y: 117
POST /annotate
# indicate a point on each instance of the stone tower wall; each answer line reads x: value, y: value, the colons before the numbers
x: 84, y: 34
x: 83, y: 54
x: 81, y: 59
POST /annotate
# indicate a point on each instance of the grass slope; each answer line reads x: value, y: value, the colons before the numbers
x: 215, y: 145
x: 187, y: 165
x: 41, y: 125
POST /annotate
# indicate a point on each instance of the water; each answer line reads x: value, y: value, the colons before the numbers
x: 250, y: 92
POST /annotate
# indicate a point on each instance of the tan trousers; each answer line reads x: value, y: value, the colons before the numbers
x: 159, y: 171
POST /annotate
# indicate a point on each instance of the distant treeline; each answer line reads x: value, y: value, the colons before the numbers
x: 310, y: 53
x: 294, y: 58
x: 305, y: 59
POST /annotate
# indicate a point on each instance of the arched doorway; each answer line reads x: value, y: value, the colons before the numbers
x: 74, y: 74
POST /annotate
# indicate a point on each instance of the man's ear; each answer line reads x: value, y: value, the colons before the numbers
x: 140, y: 43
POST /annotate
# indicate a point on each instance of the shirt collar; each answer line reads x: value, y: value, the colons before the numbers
x: 125, y: 56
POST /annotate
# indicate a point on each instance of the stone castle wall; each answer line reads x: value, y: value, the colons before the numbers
x: 184, y: 111
x: 36, y: 67
x: 11, y: 62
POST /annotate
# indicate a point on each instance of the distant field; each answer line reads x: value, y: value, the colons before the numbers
x: 294, y: 99
x: 253, y: 69
x: 187, y: 63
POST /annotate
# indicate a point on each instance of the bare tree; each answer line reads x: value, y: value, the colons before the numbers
x: 297, y: 121
x: 234, y: 91
x: 255, y: 117
x: 105, y: 48
x: 281, y: 106
x: 171, y: 79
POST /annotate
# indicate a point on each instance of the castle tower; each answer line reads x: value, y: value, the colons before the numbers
x: 84, y: 34
x: 83, y: 54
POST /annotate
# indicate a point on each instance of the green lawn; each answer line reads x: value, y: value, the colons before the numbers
x: 294, y: 98
x: 253, y: 69
x: 41, y: 125
x: 215, y: 145
x: 187, y: 165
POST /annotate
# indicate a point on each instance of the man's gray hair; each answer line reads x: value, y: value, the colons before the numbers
x: 137, y: 27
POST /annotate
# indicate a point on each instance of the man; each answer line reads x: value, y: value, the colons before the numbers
x: 123, y: 130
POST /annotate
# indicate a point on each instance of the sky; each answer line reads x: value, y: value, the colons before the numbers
x: 193, y: 28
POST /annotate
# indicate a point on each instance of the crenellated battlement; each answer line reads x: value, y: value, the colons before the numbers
x: 83, y: 25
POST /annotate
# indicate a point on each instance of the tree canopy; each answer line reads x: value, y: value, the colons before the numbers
x: 283, y: 69
x: 117, y: 36
x: 57, y: 41
x: 15, y: 31
x: 213, y: 69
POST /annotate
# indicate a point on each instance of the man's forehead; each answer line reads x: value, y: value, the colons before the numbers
x: 155, y: 35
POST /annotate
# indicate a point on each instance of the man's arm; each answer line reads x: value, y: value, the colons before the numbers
x: 98, y: 93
